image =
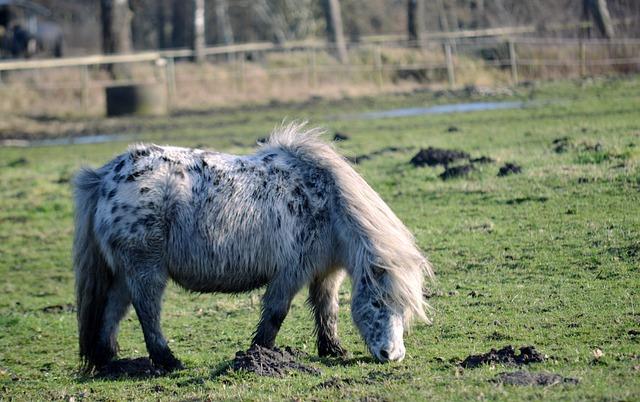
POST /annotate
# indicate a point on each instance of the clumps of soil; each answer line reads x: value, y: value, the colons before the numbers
x: 445, y: 157
x: 509, y: 168
x: 506, y: 355
x: 482, y: 160
x: 561, y: 145
x: 437, y: 156
x: 335, y: 383
x: 59, y: 308
x: 141, y: 367
x: 525, y: 378
x: 271, y: 362
x: 18, y: 162
x: 338, y: 136
x: 456, y: 171
x: 386, y: 150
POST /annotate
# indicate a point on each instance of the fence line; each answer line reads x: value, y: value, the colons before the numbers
x: 441, y: 54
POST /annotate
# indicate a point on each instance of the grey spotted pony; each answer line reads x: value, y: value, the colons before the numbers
x: 295, y: 213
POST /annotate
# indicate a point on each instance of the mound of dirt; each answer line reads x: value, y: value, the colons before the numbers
x: 437, y: 156
x: 456, y: 171
x: 561, y: 145
x: 140, y: 367
x: 506, y: 355
x: 482, y: 160
x: 271, y: 362
x: 59, y: 309
x: 525, y: 378
x: 338, y: 136
x: 509, y: 168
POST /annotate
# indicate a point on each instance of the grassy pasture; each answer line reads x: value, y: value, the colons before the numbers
x: 548, y: 257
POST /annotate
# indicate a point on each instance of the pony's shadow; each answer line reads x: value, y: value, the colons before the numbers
x: 121, y: 369
x: 347, y: 361
x: 142, y: 368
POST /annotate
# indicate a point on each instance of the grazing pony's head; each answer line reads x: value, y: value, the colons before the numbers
x: 380, y: 254
x: 385, y: 300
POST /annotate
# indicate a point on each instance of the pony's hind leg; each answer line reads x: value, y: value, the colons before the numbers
x: 118, y: 302
x: 146, y: 285
x: 275, y: 306
x: 323, y: 299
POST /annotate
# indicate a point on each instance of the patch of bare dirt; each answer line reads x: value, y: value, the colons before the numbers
x: 59, y: 308
x: 271, y: 362
x: 506, y: 355
x: 561, y: 145
x: 456, y: 172
x: 338, y: 136
x: 140, y: 367
x: 509, y: 168
x: 386, y: 150
x: 437, y: 156
x: 525, y: 378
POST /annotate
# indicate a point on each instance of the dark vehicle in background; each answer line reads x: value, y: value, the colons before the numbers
x: 26, y: 30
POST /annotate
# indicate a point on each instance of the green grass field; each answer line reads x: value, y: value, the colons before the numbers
x: 548, y: 257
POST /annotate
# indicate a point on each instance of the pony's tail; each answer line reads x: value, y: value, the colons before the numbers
x: 93, y: 276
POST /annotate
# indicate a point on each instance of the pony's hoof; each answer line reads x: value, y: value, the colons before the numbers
x: 167, y: 363
x: 333, y: 351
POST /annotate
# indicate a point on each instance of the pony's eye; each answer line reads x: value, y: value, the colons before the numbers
x: 376, y: 304
x: 377, y: 271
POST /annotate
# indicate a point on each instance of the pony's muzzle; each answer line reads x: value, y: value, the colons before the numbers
x: 390, y: 353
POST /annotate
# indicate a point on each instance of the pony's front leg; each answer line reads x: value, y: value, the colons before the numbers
x: 275, y: 306
x: 146, y: 286
x: 323, y: 299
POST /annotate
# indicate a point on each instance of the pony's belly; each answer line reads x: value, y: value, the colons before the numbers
x: 209, y: 282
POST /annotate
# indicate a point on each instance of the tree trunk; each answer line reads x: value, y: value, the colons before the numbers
x: 600, y: 12
x: 415, y: 20
x: 334, y: 28
x: 198, y: 30
x: 161, y: 24
x: 223, y: 24
x: 116, y: 19
x: 116, y: 26
x: 179, y: 24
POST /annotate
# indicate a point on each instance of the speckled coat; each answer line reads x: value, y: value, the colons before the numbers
x: 293, y: 213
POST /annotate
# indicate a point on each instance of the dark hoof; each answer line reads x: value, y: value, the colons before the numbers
x: 167, y: 362
x: 332, y: 351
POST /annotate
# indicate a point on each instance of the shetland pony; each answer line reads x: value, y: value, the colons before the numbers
x: 294, y: 213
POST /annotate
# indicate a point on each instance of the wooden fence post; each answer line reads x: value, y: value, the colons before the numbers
x: 85, y: 89
x: 513, y: 60
x: 314, y: 70
x: 241, y: 75
x: 377, y: 60
x: 583, y: 58
x: 450, y: 70
x: 170, y: 81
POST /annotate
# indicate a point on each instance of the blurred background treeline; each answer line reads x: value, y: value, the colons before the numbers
x: 198, y: 54
x: 165, y: 24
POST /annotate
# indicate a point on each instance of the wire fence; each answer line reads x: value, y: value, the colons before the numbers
x: 259, y: 72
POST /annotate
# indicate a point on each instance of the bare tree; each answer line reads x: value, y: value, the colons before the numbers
x: 223, y: 24
x: 116, y: 26
x: 179, y: 17
x: 334, y: 28
x: 198, y: 30
x: 415, y: 20
x: 116, y: 19
x: 600, y: 12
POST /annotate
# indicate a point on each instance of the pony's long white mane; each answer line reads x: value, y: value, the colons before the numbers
x: 379, y: 239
